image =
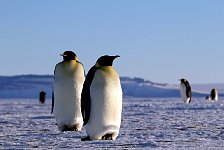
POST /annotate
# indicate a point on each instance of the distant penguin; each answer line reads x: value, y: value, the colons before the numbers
x: 69, y: 77
x: 213, y: 95
x: 101, y: 101
x: 42, y: 97
x: 185, y: 90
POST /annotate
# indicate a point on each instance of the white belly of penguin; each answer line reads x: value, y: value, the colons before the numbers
x: 106, y: 105
x: 183, y: 93
x: 216, y: 97
x: 67, y: 92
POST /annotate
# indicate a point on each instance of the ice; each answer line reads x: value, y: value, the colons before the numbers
x: 157, y: 123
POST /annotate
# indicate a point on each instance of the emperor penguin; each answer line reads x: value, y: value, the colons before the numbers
x: 101, y: 101
x: 185, y: 90
x: 213, y: 95
x: 69, y: 77
x: 42, y: 97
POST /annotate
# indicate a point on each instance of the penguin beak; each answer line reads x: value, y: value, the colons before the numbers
x: 63, y: 54
x: 116, y: 56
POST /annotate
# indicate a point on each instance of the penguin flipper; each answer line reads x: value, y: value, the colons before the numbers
x: 85, y: 96
x: 188, y: 93
x: 85, y: 106
x: 52, y: 96
x: 188, y: 89
x: 52, y: 103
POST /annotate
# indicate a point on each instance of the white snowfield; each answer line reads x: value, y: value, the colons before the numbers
x: 146, y: 124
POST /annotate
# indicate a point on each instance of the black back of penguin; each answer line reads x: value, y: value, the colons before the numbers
x: 213, y: 93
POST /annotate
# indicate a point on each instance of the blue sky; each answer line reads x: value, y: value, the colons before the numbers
x: 157, y: 40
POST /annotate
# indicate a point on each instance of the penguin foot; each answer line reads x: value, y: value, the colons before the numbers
x: 73, y: 128
x: 107, y: 137
x: 87, y: 138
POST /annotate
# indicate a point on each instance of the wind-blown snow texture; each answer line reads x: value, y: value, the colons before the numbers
x: 146, y: 123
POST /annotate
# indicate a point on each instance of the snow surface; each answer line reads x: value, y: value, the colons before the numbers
x: 158, y: 123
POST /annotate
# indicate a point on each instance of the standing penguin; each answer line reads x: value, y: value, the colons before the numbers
x: 101, y: 101
x: 185, y: 90
x: 213, y: 95
x: 66, y: 98
x: 42, y: 97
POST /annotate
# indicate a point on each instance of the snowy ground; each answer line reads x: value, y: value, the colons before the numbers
x: 151, y: 123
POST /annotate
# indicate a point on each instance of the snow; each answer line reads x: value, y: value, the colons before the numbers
x: 157, y: 123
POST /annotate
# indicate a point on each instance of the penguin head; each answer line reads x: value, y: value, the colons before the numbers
x: 105, y: 60
x: 69, y: 55
x: 214, y: 89
x: 183, y: 80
